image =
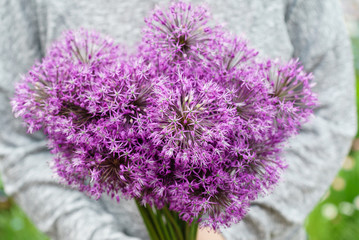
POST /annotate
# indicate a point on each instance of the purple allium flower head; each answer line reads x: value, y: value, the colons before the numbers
x: 292, y: 94
x: 235, y: 51
x: 193, y: 120
x: 181, y: 31
x: 90, y: 103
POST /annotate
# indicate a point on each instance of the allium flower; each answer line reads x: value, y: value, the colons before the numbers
x: 192, y: 112
x: 181, y: 31
x: 90, y: 102
x: 291, y: 94
x: 235, y: 53
x: 192, y: 122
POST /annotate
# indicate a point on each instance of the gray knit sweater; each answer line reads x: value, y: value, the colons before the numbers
x: 311, y: 30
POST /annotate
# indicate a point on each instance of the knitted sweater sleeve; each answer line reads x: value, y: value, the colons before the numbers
x: 60, y: 212
x: 320, y: 41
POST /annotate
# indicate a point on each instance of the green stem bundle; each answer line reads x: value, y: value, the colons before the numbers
x: 163, y: 224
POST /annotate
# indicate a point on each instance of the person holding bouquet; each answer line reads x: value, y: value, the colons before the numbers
x: 278, y: 30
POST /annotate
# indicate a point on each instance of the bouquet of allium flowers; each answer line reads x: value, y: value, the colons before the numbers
x: 191, y: 126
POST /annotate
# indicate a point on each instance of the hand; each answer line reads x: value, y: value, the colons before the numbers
x: 208, y: 234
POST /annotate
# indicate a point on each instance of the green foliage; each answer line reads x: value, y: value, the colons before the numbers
x: 355, y: 47
x: 336, y: 217
x: 14, y: 224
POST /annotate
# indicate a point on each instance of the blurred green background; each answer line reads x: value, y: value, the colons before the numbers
x: 14, y: 225
x: 336, y: 216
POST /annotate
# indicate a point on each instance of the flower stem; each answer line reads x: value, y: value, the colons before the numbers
x: 174, y: 223
x: 170, y: 234
x: 193, y: 230
x: 163, y: 224
x: 150, y: 228
x: 155, y: 222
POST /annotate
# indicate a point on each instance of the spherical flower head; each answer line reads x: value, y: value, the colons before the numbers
x: 292, y: 94
x: 67, y: 63
x: 191, y: 112
x: 180, y: 31
x: 110, y: 144
x: 87, y: 47
x: 91, y: 100
x: 235, y: 54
